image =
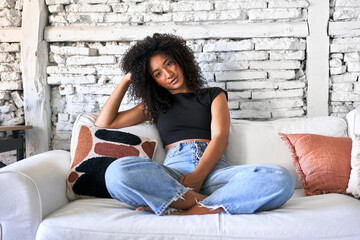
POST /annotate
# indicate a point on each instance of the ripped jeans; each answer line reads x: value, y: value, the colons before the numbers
x: 237, y: 189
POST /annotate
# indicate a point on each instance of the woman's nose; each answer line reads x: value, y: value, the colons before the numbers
x: 168, y: 73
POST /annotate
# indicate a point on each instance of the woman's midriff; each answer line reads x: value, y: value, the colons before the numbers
x: 167, y: 147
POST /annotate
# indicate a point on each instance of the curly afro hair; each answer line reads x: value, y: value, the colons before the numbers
x: 156, y: 99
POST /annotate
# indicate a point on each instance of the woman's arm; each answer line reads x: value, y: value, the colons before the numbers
x: 110, y: 117
x: 220, y: 127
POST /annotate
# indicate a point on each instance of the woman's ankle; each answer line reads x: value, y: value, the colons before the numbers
x: 188, y: 200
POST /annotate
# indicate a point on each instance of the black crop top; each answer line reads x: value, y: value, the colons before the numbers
x: 189, y: 116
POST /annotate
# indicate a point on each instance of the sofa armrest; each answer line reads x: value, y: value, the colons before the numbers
x: 30, y: 190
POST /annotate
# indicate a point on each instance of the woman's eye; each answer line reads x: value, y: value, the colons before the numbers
x: 170, y: 63
x: 157, y: 74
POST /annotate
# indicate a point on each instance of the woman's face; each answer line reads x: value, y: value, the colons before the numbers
x: 168, y: 74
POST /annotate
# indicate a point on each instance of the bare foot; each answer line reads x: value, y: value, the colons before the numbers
x: 198, y: 210
x: 144, y: 208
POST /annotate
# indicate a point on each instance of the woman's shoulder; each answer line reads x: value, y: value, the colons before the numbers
x: 213, y: 92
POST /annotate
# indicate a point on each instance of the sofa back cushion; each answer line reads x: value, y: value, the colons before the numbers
x: 259, y: 141
x: 250, y: 142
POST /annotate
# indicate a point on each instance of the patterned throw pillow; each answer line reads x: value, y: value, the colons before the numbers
x: 354, y: 181
x: 96, y: 149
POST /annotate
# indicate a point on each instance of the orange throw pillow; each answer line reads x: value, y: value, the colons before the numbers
x: 322, y: 162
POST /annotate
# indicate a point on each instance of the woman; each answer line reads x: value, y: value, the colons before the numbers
x: 193, y: 123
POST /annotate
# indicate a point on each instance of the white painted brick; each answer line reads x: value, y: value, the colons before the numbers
x: 278, y: 94
x: 10, y: 76
x: 75, y: 108
x: 337, y: 55
x: 116, y: 18
x: 79, y: 60
x: 19, y: 112
x: 344, y: 96
x: 85, y: 18
x: 19, y: 5
x: 251, y: 85
x: 62, y: 136
x: 337, y: 70
x: 345, y: 45
x: 344, y: 109
x: 347, y: 3
x: 57, y: 19
x: 291, y: 84
x: 14, y: 121
x: 273, y: 104
x: 243, y: 56
x: 191, y: 6
x: 227, y: 5
x: 282, y: 64
x: 339, y: 115
x: 209, y: 77
x: 233, y: 105
x: 226, y: 66
x: 16, y: 97
x: 7, y: 47
x: 54, y: 2
x: 67, y: 50
x: 56, y: 8
x: 239, y: 95
x: 66, y: 89
x: 10, y: 22
x: 221, y: 46
x: 250, y: 114
x: 288, y: 4
x: 7, y: 4
x: 70, y: 70
x: 281, y: 74
x: 81, y: 98
x: 195, y: 46
x: 240, y: 75
x: 288, y: 113
x: 4, y: 95
x: 59, y: 59
x: 60, y: 145
x: 138, y: 8
x: 345, y: 87
x: 183, y: 17
x: 274, y: 14
x: 5, y: 58
x: 357, y: 87
x: 137, y: 18
x: 87, y: 8
x: 11, y: 85
x: 75, y: 79
x: 352, y: 57
x: 205, y: 16
x: 353, y: 66
x: 347, y: 77
x: 120, y: 8
x: 231, y: 15
x: 91, y: 89
x: 287, y: 55
x: 5, y: 68
x: 8, y: 108
x: 159, y: 7
x: 346, y: 14
x: 113, y: 50
x: 335, y: 62
x: 279, y: 44
x: 148, y: 18
x: 205, y: 57
x: 110, y: 2
x: 5, y: 117
x: 109, y: 70
x: 64, y: 127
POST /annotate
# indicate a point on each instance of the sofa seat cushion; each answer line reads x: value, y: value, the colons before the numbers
x: 324, y: 216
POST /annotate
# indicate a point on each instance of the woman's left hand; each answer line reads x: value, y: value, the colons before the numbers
x: 191, y: 180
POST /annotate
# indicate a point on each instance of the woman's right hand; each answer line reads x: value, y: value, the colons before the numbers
x: 127, y: 77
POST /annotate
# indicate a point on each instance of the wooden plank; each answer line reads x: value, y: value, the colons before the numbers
x: 10, y: 34
x: 344, y: 29
x: 317, y: 62
x: 133, y: 33
x: 14, y: 127
x: 34, y: 55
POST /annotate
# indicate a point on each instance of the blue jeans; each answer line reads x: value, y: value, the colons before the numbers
x: 237, y: 189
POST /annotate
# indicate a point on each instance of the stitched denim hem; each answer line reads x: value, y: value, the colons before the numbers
x: 165, y: 207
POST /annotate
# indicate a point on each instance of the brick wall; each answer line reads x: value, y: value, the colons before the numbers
x: 264, y: 76
x: 344, y: 61
x: 11, y: 96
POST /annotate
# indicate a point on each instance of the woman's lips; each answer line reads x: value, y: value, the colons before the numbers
x: 175, y: 80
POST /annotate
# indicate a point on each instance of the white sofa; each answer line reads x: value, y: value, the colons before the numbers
x: 34, y: 204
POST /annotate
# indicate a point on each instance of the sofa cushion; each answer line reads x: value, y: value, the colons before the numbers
x: 331, y: 216
x: 96, y: 148
x: 322, y: 162
x: 354, y: 182
x: 259, y: 141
